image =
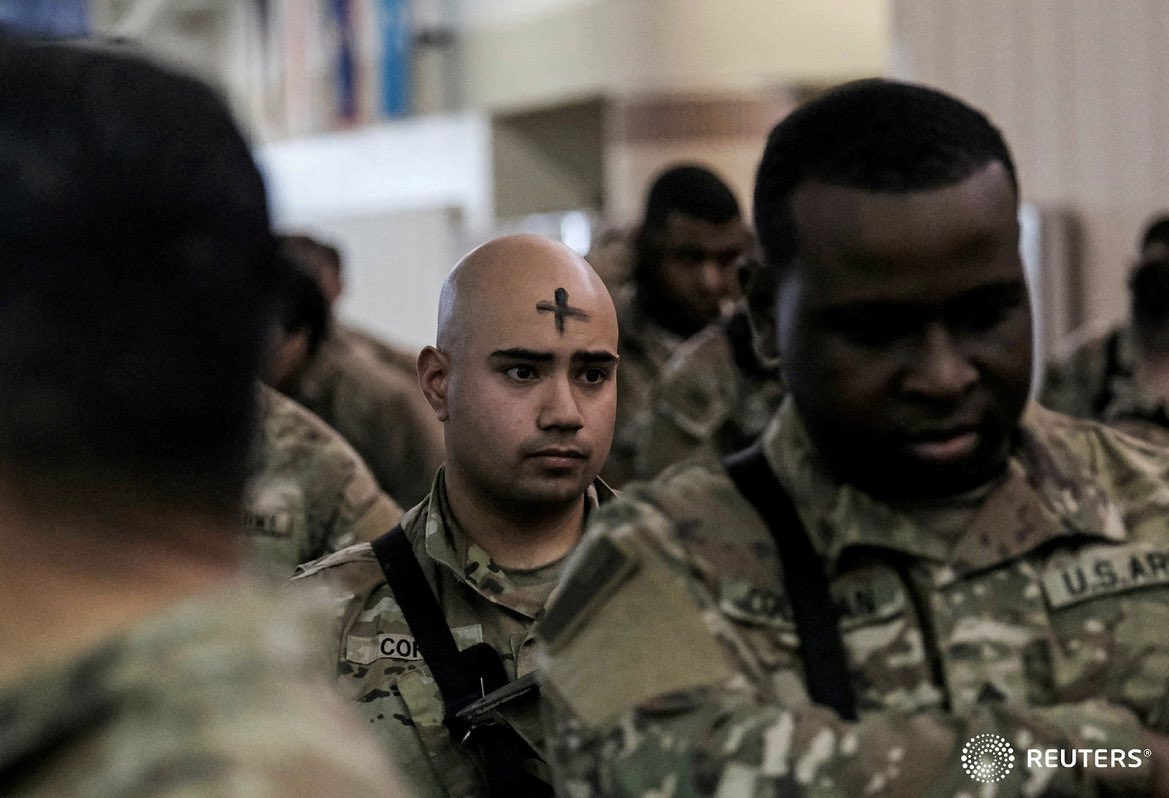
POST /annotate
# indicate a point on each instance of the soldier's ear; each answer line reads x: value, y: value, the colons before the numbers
x: 433, y: 378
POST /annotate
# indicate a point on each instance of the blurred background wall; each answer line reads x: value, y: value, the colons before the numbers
x: 408, y: 130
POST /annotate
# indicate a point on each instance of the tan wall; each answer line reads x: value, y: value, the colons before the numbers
x: 723, y: 131
x: 519, y: 54
x: 1081, y: 90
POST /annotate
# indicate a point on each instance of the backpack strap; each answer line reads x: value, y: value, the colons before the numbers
x: 816, y: 617
x: 463, y: 678
x: 427, y: 623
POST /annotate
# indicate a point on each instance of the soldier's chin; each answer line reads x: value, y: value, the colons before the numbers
x: 906, y: 479
x: 555, y: 491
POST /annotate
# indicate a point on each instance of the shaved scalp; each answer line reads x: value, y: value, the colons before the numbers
x: 486, y: 275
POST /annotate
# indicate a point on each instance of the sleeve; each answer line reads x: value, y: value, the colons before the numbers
x: 409, y: 443
x: 648, y: 692
x: 366, y: 512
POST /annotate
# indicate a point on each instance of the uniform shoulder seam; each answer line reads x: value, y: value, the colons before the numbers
x: 357, y: 553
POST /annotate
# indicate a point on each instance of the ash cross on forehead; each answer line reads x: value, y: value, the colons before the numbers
x: 561, y: 309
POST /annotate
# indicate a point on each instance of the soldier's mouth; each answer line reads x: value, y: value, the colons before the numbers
x: 558, y: 458
x: 946, y: 446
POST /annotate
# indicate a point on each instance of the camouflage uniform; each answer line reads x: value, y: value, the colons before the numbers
x: 404, y: 360
x: 1085, y: 382
x: 380, y: 667
x: 381, y: 412
x: 214, y: 697
x: 611, y: 257
x: 1034, y: 609
x: 715, y: 398
x: 310, y: 494
x: 645, y: 348
x: 1139, y: 413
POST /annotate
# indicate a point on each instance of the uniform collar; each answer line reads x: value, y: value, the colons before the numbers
x: 450, y: 548
x: 647, y: 335
x: 1049, y: 491
x: 322, y: 371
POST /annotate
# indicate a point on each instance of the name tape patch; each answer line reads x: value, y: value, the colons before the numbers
x: 366, y: 650
x: 1102, y: 571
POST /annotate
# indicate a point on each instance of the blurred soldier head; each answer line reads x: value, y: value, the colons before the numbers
x: 1148, y: 286
x: 319, y: 259
x: 691, y: 236
x: 1155, y: 240
x: 137, y: 271
x: 889, y: 214
x: 523, y: 375
x: 299, y: 327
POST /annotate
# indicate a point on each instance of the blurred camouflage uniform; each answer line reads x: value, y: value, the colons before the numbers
x: 380, y: 411
x: 611, y: 256
x: 715, y: 397
x: 310, y: 494
x: 379, y: 665
x: 1085, y: 382
x: 215, y: 697
x: 1139, y: 413
x: 1033, y: 609
x: 645, y: 348
x: 400, y: 358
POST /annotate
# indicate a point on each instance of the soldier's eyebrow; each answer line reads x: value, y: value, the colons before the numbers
x: 519, y: 353
x: 599, y: 356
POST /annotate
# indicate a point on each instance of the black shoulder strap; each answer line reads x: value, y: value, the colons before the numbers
x: 462, y: 677
x: 816, y: 617
x: 426, y: 621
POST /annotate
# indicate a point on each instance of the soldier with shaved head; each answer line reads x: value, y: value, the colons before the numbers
x: 523, y: 378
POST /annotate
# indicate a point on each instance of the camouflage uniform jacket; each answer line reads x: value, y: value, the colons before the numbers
x: 400, y: 358
x: 715, y: 398
x: 1139, y: 412
x: 379, y: 666
x: 216, y: 697
x: 645, y: 347
x: 672, y: 664
x: 309, y: 494
x: 381, y: 412
x: 611, y: 256
x: 1089, y: 379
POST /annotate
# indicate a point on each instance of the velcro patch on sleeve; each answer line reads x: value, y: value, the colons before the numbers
x: 641, y: 638
x: 602, y: 568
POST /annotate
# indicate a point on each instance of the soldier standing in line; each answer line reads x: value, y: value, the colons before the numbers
x: 683, y: 275
x: 720, y: 388
x: 438, y: 613
x: 1140, y: 405
x: 913, y: 555
x: 1099, y: 370
x: 137, y: 282
x: 377, y: 408
x: 309, y: 493
x: 325, y: 261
